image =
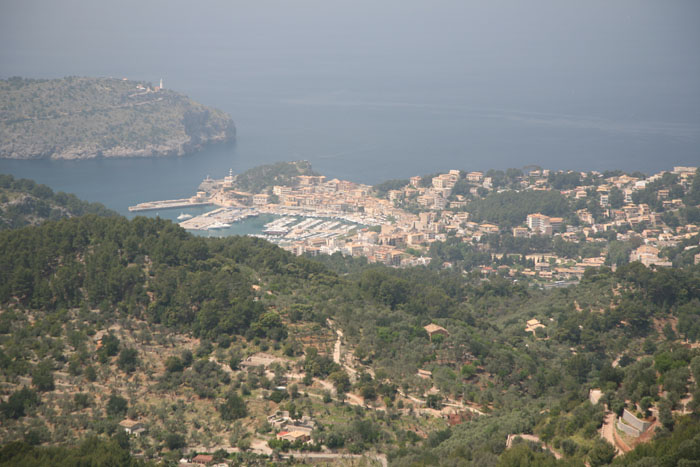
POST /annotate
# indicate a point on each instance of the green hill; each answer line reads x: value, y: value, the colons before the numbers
x: 83, y: 118
x: 265, y: 176
x: 104, y: 318
x: 24, y: 202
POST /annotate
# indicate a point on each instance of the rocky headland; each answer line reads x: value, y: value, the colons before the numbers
x: 85, y: 118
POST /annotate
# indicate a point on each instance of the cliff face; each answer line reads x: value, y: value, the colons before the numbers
x: 84, y: 118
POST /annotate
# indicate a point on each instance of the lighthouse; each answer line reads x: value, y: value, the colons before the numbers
x: 228, y: 180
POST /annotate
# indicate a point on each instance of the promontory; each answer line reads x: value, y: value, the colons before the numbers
x: 85, y: 118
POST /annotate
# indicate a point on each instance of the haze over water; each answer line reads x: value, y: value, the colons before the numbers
x: 371, y: 90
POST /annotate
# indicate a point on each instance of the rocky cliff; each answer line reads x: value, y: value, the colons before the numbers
x: 84, y: 118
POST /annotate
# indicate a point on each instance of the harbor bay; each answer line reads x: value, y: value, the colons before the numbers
x: 217, y: 210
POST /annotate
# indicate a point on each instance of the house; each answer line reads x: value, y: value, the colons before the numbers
x: 557, y: 224
x: 594, y: 395
x: 489, y: 228
x: 282, y: 421
x: 260, y: 199
x: 294, y: 436
x: 132, y: 427
x: 475, y: 176
x: 311, y: 180
x: 203, y: 459
x: 434, y: 329
x: 533, y: 324
x: 539, y: 223
x: 278, y: 419
x: 425, y: 374
x: 648, y: 255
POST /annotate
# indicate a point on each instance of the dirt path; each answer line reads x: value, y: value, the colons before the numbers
x: 260, y: 446
x: 350, y: 398
x: 321, y: 456
x: 343, y: 360
x: 449, y: 403
x: 336, y: 350
x: 607, y: 431
x: 462, y: 406
x: 353, y: 399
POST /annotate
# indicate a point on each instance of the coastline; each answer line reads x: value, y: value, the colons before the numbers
x: 87, y: 118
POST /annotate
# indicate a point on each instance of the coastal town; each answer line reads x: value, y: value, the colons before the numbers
x: 398, y: 226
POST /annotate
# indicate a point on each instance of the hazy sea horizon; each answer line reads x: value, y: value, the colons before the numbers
x: 407, y: 90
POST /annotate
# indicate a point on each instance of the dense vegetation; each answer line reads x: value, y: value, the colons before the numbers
x: 91, y: 452
x: 78, y: 118
x: 681, y: 447
x: 23, y: 202
x: 509, y: 208
x: 382, y: 189
x: 258, y: 178
x: 489, y: 359
x: 193, y: 284
x: 64, y: 283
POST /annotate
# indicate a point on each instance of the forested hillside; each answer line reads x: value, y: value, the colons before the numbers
x: 23, y: 202
x: 104, y: 319
x: 83, y: 118
x: 91, y: 452
x: 510, y: 208
x: 258, y: 178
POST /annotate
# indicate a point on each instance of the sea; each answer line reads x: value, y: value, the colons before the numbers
x: 408, y: 89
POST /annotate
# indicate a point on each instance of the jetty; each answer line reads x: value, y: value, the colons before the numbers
x: 169, y: 204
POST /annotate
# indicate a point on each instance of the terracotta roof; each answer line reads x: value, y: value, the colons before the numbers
x: 203, y: 458
x: 434, y: 327
x: 128, y: 423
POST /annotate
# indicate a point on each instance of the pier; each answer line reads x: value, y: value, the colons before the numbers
x: 168, y: 204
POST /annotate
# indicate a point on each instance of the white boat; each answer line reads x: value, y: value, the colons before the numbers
x: 218, y: 225
x: 183, y: 217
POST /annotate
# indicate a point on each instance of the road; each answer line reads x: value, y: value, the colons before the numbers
x: 320, y: 456
x: 607, y: 431
x: 260, y: 446
x: 336, y: 349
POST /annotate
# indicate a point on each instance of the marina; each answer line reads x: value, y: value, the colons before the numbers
x: 280, y: 226
x: 317, y: 216
x: 287, y: 230
x: 220, y: 218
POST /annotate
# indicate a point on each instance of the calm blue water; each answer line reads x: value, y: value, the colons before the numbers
x: 368, y: 90
x: 251, y: 225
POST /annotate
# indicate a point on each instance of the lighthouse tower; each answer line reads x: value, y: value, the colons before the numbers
x: 228, y: 180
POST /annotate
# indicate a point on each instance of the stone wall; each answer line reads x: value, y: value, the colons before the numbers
x: 630, y: 430
x: 634, y: 422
